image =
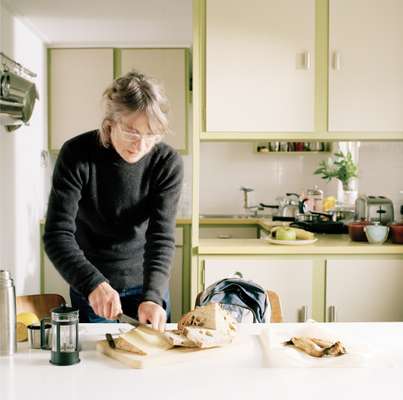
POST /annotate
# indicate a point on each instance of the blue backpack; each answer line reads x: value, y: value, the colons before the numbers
x: 245, y: 300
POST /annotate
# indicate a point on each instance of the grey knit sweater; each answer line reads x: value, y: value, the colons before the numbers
x: 112, y: 221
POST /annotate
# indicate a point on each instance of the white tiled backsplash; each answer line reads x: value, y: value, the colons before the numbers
x: 225, y: 167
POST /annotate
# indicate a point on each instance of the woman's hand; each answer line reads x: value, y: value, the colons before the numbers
x: 105, y: 301
x: 153, y: 313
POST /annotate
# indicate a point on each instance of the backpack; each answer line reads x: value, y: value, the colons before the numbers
x: 245, y: 300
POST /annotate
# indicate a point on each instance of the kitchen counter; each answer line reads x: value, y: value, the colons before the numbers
x: 326, y: 244
x: 29, y: 375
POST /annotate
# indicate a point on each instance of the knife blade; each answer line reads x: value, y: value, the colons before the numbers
x: 129, y: 320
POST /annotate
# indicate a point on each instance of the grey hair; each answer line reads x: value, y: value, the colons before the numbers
x: 134, y: 92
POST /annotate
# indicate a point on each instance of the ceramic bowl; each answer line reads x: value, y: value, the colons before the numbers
x: 376, y: 234
x: 356, y: 231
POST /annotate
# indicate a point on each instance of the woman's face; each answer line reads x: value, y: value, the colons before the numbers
x: 132, y: 138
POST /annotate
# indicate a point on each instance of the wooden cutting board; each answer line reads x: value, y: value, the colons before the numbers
x: 174, y: 355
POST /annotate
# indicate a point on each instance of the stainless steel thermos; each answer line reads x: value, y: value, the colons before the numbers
x: 8, y: 337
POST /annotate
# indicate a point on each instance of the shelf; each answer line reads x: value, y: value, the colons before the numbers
x: 264, y: 147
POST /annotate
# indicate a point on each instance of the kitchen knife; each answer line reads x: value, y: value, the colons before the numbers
x: 129, y: 320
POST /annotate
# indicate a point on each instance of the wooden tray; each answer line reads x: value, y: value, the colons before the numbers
x: 174, y: 355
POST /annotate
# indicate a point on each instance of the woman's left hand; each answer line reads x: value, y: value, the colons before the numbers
x: 153, y: 313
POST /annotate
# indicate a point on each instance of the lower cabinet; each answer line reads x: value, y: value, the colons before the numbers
x: 290, y: 279
x: 364, y: 289
x: 175, y: 283
x: 52, y: 282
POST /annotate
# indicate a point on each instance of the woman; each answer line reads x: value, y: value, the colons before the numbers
x: 111, y: 217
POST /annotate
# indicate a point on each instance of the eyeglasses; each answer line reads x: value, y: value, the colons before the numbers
x: 135, y: 136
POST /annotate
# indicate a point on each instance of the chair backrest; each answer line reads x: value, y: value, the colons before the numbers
x: 39, y: 304
x: 275, y: 306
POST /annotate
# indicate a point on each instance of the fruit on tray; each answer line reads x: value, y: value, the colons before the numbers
x: 23, y: 320
x: 284, y: 233
x: 288, y: 233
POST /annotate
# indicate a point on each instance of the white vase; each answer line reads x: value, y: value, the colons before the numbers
x: 349, y: 194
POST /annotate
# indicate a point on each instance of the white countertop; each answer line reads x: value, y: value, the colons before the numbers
x: 29, y: 375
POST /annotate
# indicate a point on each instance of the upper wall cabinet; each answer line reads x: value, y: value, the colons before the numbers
x: 170, y: 67
x: 77, y: 79
x: 260, y: 70
x: 366, y: 65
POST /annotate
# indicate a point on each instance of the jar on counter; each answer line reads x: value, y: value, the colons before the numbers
x: 315, y: 199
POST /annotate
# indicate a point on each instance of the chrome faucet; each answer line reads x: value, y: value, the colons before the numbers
x: 253, y: 210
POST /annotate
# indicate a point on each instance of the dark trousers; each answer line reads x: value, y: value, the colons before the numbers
x: 129, y: 298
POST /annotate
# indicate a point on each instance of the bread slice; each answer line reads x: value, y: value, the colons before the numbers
x: 177, y: 338
x: 206, y: 338
x: 211, y: 316
x: 144, y: 341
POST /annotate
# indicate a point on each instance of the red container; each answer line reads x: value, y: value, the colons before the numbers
x: 396, y: 233
x: 356, y: 231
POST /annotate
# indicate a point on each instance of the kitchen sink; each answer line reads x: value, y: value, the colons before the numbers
x: 233, y: 216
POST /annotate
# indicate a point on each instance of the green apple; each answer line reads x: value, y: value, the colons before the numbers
x: 286, y: 234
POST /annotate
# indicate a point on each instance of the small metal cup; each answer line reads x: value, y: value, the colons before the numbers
x: 34, y: 336
x: 274, y: 146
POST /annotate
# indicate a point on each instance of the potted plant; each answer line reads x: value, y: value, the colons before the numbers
x: 343, y: 168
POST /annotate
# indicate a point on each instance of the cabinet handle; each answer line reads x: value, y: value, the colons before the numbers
x: 303, y: 314
x: 336, y: 61
x: 307, y: 60
x: 332, y: 314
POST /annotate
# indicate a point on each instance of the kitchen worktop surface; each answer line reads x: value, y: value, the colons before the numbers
x: 29, y: 375
x: 326, y: 244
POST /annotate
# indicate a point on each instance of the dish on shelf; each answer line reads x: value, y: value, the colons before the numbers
x: 297, y: 242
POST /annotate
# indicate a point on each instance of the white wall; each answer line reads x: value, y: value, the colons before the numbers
x: 21, y: 175
x: 227, y: 166
x: 381, y: 171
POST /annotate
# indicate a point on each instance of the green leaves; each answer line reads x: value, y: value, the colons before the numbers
x: 342, y: 167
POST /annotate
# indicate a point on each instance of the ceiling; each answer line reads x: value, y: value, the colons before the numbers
x: 103, y: 22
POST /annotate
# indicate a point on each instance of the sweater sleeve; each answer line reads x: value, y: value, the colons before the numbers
x: 69, y: 178
x: 160, y: 235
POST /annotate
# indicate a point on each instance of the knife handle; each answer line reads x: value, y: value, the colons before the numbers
x: 110, y: 341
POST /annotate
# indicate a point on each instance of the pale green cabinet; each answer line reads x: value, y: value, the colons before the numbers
x: 77, y: 79
x: 365, y: 65
x: 364, y: 289
x: 260, y: 65
x: 291, y: 279
x: 52, y: 282
x: 170, y: 67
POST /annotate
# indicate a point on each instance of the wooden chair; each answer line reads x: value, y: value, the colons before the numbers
x: 275, y: 306
x: 39, y: 304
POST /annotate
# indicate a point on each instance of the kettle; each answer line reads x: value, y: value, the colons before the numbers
x: 288, y: 207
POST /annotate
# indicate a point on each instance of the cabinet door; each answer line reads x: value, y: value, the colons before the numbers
x: 169, y: 66
x: 365, y: 290
x: 175, y: 282
x: 366, y: 65
x: 260, y: 65
x: 53, y: 281
x: 77, y: 79
x: 290, y: 279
